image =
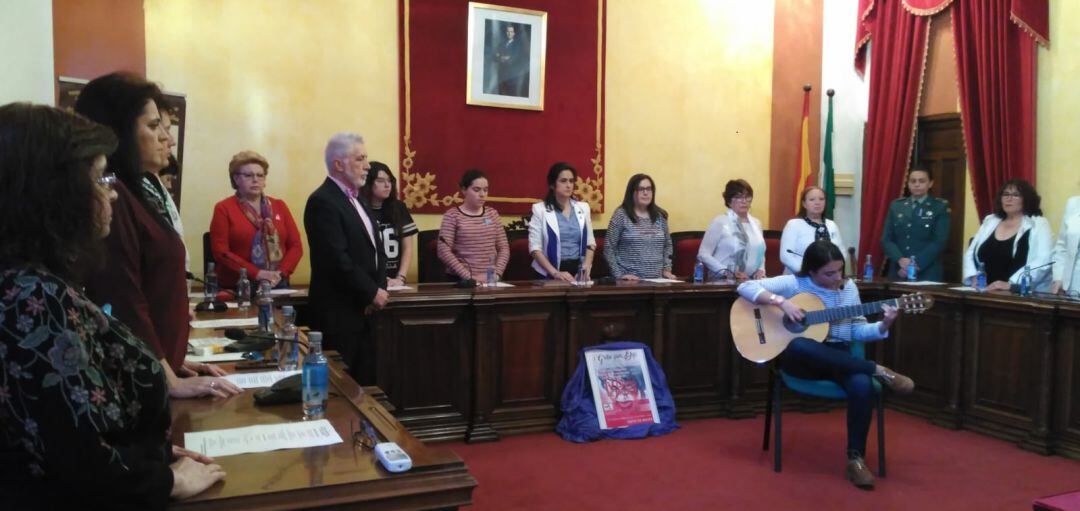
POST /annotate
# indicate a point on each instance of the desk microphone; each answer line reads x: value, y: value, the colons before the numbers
x: 790, y: 251
x: 214, y: 305
x: 1051, y: 263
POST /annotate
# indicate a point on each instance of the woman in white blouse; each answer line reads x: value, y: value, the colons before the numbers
x: 734, y: 245
x: 1066, y: 267
x: 1013, y: 237
x: 809, y: 226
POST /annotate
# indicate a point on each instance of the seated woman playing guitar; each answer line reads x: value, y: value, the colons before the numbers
x: 822, y: 276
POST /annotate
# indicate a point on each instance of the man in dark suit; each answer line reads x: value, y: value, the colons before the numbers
x: 348, y: 278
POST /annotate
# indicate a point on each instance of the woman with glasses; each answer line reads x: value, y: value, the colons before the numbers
x: 1013, y: 237
x: 734, y: 244
x: 638, y: 244
x: 85, y: 420
x: 396, y: 225
x: 1066, y: 269
x: 810, y: 225
x: 143, y: 279
x: 252, y: 230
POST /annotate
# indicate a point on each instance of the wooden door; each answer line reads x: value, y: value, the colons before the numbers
x: 939, y: 146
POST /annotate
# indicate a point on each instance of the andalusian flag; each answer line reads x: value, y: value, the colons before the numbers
x: 804, y: 150
x: 827, y: 180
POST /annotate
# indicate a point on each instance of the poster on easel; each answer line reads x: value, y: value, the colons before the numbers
x: 621, y: 387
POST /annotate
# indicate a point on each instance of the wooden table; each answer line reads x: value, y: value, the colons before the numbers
x: 328, y: 477
x: 476, y: 364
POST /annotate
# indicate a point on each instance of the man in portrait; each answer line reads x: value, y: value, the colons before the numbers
x: 511, y: 56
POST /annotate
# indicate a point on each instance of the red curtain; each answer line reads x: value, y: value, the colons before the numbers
x: 996, y: 63
x: 897, y: 55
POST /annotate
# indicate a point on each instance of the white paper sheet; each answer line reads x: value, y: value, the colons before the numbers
x: 968, y: 289
x: 262, y: 438
x: 232, y: 356
x: 210, y: 341
x: 398, y: 288
x: 498, y: 284
x: 260, y: 379
x: 581, y: 284
x: 920, y: 283
x: 282, y: 292
x: 663, y: 281
x: 225, y: 323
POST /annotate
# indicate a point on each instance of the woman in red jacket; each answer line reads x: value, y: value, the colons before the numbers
x: 252, y: 230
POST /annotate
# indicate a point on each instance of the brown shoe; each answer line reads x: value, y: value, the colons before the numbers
x: 859, y: 474
x: 896, y: 382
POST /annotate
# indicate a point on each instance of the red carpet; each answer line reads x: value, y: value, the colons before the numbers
x: 719, y: 464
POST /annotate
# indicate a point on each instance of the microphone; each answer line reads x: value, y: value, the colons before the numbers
x: 790, y: 251
x: 215, y: 305
x: 1015, y: 288
x: 1051, y: 263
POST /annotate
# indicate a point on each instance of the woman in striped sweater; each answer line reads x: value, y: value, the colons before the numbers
x: 472, y: 237
x: 638, y: 242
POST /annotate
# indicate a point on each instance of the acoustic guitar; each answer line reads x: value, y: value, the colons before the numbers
x: 761, y: 332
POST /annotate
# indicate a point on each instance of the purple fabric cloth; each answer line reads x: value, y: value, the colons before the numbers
x: 579, y: 422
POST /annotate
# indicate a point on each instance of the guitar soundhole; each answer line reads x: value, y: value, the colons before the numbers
x: 795, y: 328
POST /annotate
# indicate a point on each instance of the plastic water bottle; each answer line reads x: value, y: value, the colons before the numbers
x: 210, y: 285
x: 1025, y: 282
x: 315, y: 378
x: 699, y: 273
x: 980, y: 278
x: 912, y: 271
x: 868, y: 269
x: 243, y: 291
x: 491, y: 272
x: 265, y: 302
x: 288, y: 342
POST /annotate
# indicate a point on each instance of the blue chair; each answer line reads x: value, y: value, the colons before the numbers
x: 825, y: 389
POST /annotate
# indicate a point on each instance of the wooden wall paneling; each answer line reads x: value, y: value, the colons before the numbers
x: 1066, y: 406
x: 927, y: 348
x: 1006, y: 375
x: 528, y: 352
x: 425, y: 366
x: 626, y: 310
x: 696, y: 353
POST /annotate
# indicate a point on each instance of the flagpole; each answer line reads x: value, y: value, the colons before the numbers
x: 828, y: 177
x: 803, y: 166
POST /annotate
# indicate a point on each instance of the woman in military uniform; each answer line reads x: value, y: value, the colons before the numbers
x: 917, y: 225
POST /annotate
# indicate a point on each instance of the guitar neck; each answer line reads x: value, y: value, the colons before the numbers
x: 847, y: 311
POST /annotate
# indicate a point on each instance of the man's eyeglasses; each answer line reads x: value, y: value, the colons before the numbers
x: 107, y: 180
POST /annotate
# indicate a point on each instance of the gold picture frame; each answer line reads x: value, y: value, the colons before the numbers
x: 507, y: 52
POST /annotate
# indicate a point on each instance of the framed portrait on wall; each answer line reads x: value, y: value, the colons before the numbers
x: 507, y: 48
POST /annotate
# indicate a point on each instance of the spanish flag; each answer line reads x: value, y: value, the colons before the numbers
x: 803, y: 176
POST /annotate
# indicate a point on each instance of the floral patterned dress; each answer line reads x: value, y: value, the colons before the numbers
x: 84, y: 413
